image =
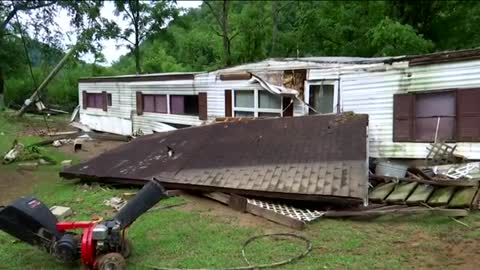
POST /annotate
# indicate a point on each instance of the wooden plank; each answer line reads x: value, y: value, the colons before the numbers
x: 404, y: 210
x: 419, y: 172
x: 440, y: 183
x: 258, y: 211
x: 381, y: 192
x: 420, y: 194
x: 238, y: 203
x: 463, y: 197
x: 401, y: 192
x: 441, y: 196
x: 218, y: 196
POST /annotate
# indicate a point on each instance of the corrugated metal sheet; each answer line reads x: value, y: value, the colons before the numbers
x: 372, y: 93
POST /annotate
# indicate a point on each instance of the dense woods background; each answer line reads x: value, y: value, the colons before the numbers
x: 162, y: 38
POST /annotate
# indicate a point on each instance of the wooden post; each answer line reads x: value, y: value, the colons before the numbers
x: 45, y: 82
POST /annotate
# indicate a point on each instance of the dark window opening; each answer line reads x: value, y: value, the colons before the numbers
x: 94, y: 100
x: 184, y: 104
x: 321, y: 98
x: 155, y: 103
x: 109, y: 99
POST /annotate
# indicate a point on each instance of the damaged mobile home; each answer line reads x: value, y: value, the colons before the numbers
x: 411, y: 100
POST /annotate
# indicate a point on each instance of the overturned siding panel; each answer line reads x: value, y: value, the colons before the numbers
x: 372, y: 93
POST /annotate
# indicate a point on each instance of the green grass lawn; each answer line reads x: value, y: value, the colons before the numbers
x: 181, y: 237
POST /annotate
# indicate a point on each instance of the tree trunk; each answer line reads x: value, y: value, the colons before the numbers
x: 137, y: 38
x: 2, y: 84
x: 226, y: 39
x: 274, y: 28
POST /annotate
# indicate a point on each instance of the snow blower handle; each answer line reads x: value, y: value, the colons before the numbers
x: 145, y: 199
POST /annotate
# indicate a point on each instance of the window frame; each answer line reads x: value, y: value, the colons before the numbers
x: 336, y: 94
x: 95, y: 94
x: 256, y: 104
x: 168, y: 105
x: 457, y: 118
x: 155, y: 103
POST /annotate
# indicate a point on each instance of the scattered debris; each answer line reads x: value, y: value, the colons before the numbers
x: 29, y: 166
x: 77, y: 145
x: 441, y: 153
x: 13, y: 153
x: 462, y: 172
x: 115, y: 202
x: 61, y: 212
x: 390, y: 168
x: 62, y: 133
x: 44, y: 161
x: 66, y: 163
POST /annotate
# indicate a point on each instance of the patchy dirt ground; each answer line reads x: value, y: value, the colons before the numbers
x: 15, y: 183
x: 90, y: 148
x: 228, y: 215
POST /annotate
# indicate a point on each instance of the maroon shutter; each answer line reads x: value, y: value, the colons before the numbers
x: 468, y: 115
x: 228, y: 103
x: 202, y: 106
x: 139, y: 103
x: 403, y: 116
x: 84, y: 99
x: 287, y: 106
x: 104, y: 101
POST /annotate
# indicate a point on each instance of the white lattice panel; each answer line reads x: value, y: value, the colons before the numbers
x: 305, y: 215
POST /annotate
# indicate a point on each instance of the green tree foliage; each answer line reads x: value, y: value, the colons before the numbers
x: 144, y: 19
x: 164, y: 38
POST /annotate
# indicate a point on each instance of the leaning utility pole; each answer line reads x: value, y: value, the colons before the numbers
x: 34, y: 96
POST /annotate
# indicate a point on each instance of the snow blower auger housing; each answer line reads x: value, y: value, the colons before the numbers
x: 100, y: 245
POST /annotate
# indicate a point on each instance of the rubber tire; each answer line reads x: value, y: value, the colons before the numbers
x: 126, y: 248
x: 111, y: 261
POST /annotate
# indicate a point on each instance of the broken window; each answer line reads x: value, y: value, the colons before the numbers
x: 437, y: 116
x: 94, y: 100
x: 184, y: 104
x: 155, y: 103
x: 256, y: 103
x: 321, y: 98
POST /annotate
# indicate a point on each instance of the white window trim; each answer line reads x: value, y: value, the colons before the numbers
x: 256, y: 109
x: 335, y: 84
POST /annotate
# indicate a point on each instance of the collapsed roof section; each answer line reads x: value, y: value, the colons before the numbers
x: 314, y: 158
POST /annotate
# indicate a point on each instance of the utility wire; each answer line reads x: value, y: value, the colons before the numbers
x: 34, y: 81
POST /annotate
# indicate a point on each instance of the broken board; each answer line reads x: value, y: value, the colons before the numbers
x: 380, y: 192
x: 401, y: 192
x: 441, y: 196
x: 463, y: 197
x: 420, y: 195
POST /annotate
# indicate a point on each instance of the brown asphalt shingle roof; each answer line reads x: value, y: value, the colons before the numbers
x: 304, y: 158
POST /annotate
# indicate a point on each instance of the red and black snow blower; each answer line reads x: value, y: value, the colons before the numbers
x: 101, y: 245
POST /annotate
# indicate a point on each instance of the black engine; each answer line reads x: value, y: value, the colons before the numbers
x: 31, y: 221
